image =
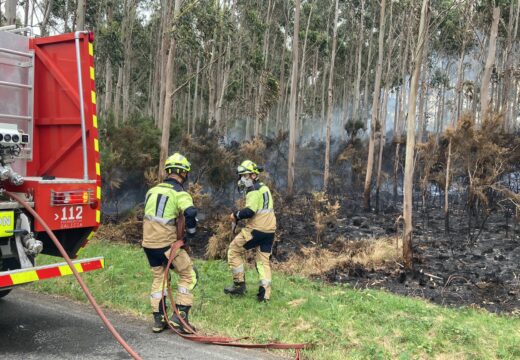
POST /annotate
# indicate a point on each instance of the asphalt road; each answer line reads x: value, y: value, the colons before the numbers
x: 35, y: 326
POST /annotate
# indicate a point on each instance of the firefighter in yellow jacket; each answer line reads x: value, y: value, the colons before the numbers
x: 164, y: 203
x: 258, y: 232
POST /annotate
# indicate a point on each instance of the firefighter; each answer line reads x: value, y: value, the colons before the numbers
x: 164, y: 203
x: 258, y: 232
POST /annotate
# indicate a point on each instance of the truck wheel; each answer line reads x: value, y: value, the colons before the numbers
x: 4, y: 293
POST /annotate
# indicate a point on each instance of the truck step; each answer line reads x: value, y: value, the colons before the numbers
x: 23, y: 276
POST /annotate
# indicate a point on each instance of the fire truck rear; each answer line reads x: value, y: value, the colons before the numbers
x: 49, y: 153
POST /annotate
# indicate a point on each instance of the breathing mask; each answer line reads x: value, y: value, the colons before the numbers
x: 244, y: 183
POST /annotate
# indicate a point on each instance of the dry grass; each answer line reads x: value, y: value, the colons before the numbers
x: 374, y: 254
x: 127, y: 231
x: 325, y: 213
x: 218, y: 243
x: 253, y: 150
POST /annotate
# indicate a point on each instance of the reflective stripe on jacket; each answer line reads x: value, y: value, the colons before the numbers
x: 260, y: 201
x: 163, y: 204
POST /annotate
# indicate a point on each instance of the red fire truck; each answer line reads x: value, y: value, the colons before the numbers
x: 49, y: 153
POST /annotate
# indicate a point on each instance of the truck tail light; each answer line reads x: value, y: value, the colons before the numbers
x: 72, y: 197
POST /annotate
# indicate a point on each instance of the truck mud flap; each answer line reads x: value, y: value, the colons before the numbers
x: 23, y: 276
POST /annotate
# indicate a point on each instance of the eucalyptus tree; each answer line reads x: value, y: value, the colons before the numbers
x: 294, y: 92
x: 10, y: 11
x: 410, y: 137
x: 330, y: 107
x: 375, y: 126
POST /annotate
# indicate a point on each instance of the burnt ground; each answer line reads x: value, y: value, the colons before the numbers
x: 461, y: 268
x: 456, y: 269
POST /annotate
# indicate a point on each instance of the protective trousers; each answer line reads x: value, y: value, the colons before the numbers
x: 263, y: 244
x: 183, y: 266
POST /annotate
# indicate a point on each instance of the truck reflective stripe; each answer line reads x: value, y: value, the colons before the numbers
x: 92, y: 73
x: 98, y: 216
x: 65, y: 269
x: 98, y: 192
x: 93, y: 96
x: 94, y: 120
x: 98, y: 169
x: 90, y: 49
x: 96, y: 145
x: 24, y: 277
x: 48, y: 273
x: 5, y: 280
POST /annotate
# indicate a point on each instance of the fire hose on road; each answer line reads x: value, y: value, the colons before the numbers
x: 194, y: 336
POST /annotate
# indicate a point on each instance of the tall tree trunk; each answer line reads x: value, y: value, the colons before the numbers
x: 375, y: 108
x: 381, y: 144
x: 117, y: 99
x: 211, y: 76
x: 108, y: 87
x: 490, y: 61
x: 224, y: 75
x: 446, y: 191
x: 10, y: 11
x: 359, y: 54
x: 402, y: 100
x: 128, y: 52
x: 347, y: 87
x: 26, y: 13
x: 293, y: 103
x: 315, y: 88
x: 458, y: 86
x: 167, y: 8
x: 66, y: 17
x: 281, y: 98
x: 195, y: 117
x: 46, y: 16
x: 422, y: 104
x: 259, y: 113
x: 508, y: 71
x: 384, y: 110
x: 80, y: 15
x: 170, y: 88
x: 330, y: 101
x: 323, y: 91
x: 301, y: 80
x: 410, y: 139
x: 367, y: 81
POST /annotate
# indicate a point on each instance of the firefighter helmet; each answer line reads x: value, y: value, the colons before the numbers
x: 177, y: 163
x: 249, y: 167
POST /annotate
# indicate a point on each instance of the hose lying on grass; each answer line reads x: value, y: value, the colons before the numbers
x: 193, y: 335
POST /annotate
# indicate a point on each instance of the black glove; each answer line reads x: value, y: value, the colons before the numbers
x: 187, y: 239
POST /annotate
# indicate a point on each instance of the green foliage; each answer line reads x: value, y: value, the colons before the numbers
x: 136, y: 142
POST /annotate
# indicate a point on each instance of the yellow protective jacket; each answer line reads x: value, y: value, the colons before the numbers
x: 259, y: 209
x: 164, y: 203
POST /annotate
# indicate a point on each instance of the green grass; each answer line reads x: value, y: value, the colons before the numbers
x: 340, y: 322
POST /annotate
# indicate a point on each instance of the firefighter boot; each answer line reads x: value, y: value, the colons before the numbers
x: 260, y: 296
x: 159, y: 323
x: 238, y: 288
x: 177, y: 323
